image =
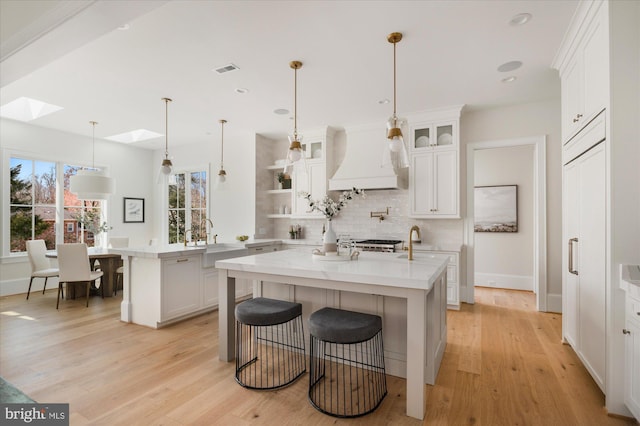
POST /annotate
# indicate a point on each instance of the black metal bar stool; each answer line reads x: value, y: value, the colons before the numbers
x: 269, y: 343
x: 346, y: 376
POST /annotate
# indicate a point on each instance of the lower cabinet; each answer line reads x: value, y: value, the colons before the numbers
x: 180, y: 286
x: 453, y: 276
x: 632, y: 355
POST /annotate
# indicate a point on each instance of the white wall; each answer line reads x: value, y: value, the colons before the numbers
x: 516, y: 121
x: 131, y: 167
x: 505, y: 260
x: 232, y: 211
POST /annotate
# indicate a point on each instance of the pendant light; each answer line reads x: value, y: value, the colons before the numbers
x: 92, y: 184
x: 166, y: 166
x: 222, y: 175
x: 294, y: 153
x: 398, y: 151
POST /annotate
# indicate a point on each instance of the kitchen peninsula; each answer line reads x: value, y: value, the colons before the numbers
x: 409, y: 296
x: 164, y: 284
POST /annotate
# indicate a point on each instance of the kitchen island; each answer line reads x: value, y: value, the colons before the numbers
x: 410, y: 296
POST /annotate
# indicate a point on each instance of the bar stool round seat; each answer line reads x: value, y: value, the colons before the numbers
x: 270, y: 350
x: 347, y: 374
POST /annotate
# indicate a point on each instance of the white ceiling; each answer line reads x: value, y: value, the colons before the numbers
x: 449, y: 55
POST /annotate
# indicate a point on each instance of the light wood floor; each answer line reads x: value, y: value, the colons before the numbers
x: 504, y: 365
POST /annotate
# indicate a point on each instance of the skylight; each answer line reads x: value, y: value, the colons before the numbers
x: 27, y: 109
x: 134, y: 136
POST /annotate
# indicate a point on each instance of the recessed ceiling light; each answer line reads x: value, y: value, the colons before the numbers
x: 509, y: 79
x: 27, y: 109
x: 520, y: 19
x: 124, y: 27
x: 241, y: 90
x: 510, y: 66
x: 281, y: 111
x: 134, y: 136
x: 384, y: 101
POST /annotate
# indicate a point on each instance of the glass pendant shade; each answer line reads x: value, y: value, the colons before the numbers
x: 397, y: 151
x: 92, y: 184
x: 167, y: 166
x: 221, y: 179
x: 295, y: 155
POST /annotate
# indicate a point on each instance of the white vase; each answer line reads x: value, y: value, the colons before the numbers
x: 329, y: 239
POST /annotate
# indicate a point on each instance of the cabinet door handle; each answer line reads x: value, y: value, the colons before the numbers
x: 571, y: 241
x: 182, y: 260
x: 625, y: 331
x: 259, y: 249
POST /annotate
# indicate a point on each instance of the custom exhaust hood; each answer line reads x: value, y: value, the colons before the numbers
x: 362, y: 166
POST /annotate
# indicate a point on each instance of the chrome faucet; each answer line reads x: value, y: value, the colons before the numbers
x: 204, y: 228
x: 413, y: 228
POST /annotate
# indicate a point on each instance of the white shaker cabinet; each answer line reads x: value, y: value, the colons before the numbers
x: 584, y: 260
x: 632, y: 355
x: 584, y: 75
x: 180, y: 286
x: 434, y: 172
x: 434, y: 189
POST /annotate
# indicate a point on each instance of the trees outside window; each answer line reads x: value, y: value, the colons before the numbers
x: 34, y: 206
x: 32, y: 202
x: 187, y: 207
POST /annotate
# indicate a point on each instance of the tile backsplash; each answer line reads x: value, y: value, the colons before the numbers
x: 354, y: 219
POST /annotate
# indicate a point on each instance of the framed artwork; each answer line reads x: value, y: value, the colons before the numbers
x: 133, y: 210
x: 496, y: 208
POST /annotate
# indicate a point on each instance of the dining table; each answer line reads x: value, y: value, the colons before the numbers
x: 108, y: 261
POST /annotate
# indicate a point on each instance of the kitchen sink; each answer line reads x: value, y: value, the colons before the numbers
x: 222, y: 251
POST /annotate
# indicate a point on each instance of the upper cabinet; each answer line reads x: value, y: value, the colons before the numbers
x: 583, y: 70
x: 434, y: 174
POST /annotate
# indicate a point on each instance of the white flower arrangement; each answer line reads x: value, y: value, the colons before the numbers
x: 327, y: 206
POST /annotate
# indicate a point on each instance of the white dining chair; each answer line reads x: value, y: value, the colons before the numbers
x: 73, y: 262
x: 118, y: 242
x: 40, y: 266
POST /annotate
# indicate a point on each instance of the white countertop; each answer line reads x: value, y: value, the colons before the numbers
x: 387, y: 269
x: 437, y: 247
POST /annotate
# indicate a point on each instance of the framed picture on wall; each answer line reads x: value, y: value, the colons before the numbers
x: 496, y: 208
x: 133, y: 210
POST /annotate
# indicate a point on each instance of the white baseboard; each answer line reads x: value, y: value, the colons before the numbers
x: 513, y: 282
x: 21, y: 285
x: 554, y: 303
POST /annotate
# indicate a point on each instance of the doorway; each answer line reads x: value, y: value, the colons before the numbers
x: 539, y: 214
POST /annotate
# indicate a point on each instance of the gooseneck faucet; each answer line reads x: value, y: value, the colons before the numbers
x: 413, y: 228
x: 204, y: 229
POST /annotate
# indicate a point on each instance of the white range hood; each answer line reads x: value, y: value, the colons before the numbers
x: 362, y: 165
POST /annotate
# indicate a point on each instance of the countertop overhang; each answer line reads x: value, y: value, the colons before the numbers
x: 388, y: 269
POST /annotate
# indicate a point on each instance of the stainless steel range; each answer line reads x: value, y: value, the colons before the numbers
x: 388, y: 246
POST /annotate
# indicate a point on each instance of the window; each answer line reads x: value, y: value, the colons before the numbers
x: 32, y: 202
x: 35, y: 206
x: 187, y: 207
x: 82, y: 217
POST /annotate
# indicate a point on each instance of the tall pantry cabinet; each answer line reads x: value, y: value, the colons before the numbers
x: 584, y: 88
x: 598, y: 66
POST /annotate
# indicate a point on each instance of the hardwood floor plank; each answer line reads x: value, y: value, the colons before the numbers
x: 504, y: 364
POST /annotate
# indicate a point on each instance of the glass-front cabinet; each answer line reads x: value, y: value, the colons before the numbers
x: 430, y: 135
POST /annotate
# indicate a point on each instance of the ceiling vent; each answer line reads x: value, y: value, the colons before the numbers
x: 226, y: 68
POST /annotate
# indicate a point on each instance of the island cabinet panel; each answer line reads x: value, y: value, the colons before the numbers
x: 180, y: 286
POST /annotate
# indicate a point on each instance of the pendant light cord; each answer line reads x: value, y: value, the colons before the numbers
x: 295, y: 103
x: 394, y: 81
x: 222, y: 145
x: 166, y: 128
x: 93, y: 145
